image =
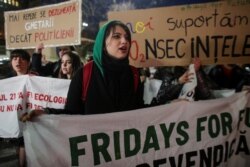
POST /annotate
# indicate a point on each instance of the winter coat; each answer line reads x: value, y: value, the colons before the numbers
x: 49, y: 69
x: 111, y: 86
x: 171, y: 88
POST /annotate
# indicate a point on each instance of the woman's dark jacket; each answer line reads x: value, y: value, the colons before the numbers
x: 111, y: 87
x: 170, y: 88
x: 233, y: 77
x: 99, y: 98
x: 49, y: 69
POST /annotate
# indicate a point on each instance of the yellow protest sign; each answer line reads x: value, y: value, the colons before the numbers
x: 217, y: 33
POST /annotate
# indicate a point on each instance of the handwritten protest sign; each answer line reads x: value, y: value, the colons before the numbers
x: 217, y: 33
x: 52, y: 25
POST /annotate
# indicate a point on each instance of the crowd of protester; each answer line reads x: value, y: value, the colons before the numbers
x: 20, y: 65
x: 112, y: 86
x: 209, y: 79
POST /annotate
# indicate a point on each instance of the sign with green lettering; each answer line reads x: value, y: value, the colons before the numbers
x: 204, y: 133
x: 201, y: 133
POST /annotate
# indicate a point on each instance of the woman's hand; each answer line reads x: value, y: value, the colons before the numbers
x: 31, y: 115
x: 39, y: 48
x: 186, y: 77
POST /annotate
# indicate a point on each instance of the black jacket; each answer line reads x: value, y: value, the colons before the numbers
x: 98, y: 99
x: 111, y: 86
x: 233, y: 77
x: 49, y: 69
x: 170, y: 88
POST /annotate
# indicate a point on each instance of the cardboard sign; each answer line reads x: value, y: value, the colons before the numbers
x: 52, y: 25
x: 217, y: 33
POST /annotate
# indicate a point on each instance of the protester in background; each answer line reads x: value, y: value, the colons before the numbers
x: 144, y: 73
x: 151, y: 85
x: 229, y: 76
x: 112, y: 83
x: 50, y: 68
x: 20, y: 63
x: 89, y: 58
x: 245, y: 81
x: 70, y: 63
x: 175, y: 77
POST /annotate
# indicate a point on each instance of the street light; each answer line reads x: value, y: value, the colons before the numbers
x: 85, y: 24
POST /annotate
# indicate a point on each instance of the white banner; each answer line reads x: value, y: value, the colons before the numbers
x: 25, y: 93
x: 12, y: 104
x: 151, y: 89
x: 203, y: 133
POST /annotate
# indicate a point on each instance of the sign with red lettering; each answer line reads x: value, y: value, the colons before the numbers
x: 217, y: 33
x: 26, y: 93
x: 52, y: 25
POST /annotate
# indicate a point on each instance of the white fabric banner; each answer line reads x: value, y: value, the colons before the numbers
x: 24, y: 93
x: 12, y: 104
x: 151, y: 88
x: 203, y: 133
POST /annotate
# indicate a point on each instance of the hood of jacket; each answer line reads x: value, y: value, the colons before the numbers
x: 98, y: 47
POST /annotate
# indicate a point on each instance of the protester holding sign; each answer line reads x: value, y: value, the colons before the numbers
x: 20, y: 63
x: 175, y: 77
x: 112, y: 86
x: 71, y: 62
x: 51, y: 68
